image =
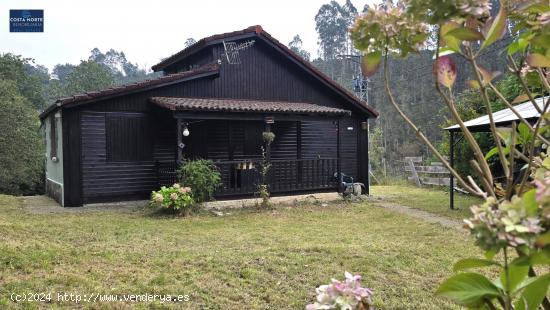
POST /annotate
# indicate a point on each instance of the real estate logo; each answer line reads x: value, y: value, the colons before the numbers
x: 26, y: 20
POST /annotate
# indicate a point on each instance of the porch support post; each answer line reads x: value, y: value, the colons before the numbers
x: 178, y: 143
x: 338, y: 159
x: 268, y: 145
x: 267, y: 123
x: 452, y: 161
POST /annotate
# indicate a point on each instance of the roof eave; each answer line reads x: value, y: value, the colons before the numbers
x: 59, y: 102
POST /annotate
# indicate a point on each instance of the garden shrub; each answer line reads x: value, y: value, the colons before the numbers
x: 202, y: 176
x: 175, y: 198
x: 347, y: 294
x: 265, y: 165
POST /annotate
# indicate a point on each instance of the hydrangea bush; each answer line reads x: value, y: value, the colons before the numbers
x: 512, y: 226
x: 347, y: 294
x: 202, y: 176
x: 175, y: 198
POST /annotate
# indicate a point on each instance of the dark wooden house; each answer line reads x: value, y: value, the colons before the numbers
x: 214, y: 100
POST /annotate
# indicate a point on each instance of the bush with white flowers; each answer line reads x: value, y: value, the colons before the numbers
x: 175, y: 197
x: 347, y: 294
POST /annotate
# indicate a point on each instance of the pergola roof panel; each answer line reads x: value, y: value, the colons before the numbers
x: 503, y: 117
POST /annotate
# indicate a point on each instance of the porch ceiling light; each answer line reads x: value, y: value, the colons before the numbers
x: 186, y: 131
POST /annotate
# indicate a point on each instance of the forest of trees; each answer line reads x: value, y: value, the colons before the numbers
x: 412, y: 79
x: 26, y: 88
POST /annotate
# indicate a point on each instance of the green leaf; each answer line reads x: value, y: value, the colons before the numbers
x: 505, y: 134
x: 542, y: 40
x: 525, y: 133
x: 450, y: 42
x: 370, y: 63
x: 535, y: 7
x: 529, y: 202
x: 533, y: 293
x: 474, y: 84
x: 468, y: 263
x: 538, y: 60
x: 543, y: 240
x: 492, y: 152
x: 465, y: 34
x: 521, y: 44
x: 443, y: 51
x: 489, y: 254
x: 497, y: 29
x: 516, y: 274
x: 468, y: 289
x: 537, y: 258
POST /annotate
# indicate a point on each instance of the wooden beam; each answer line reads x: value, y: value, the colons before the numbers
x: 299, y: 165
x: 179, y: 135
x: 268, y: 145
x: 452, y: 162
x: 338, y: 158
x: 414, y: 173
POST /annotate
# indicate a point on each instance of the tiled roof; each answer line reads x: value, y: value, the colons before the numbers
x: 243, y: 105
x: 123, y: 89
x: 258, y: 31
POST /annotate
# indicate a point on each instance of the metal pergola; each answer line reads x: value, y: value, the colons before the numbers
x: 502, y: 118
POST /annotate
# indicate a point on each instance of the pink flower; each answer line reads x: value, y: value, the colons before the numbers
x: 174, y: 196
x: 184, y: 190
x: 158, y: 198
x: 176, y: 185
x: 346, y: 294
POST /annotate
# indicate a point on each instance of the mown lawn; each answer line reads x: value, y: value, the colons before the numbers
x: 431, y: 199
x: 246, y: 260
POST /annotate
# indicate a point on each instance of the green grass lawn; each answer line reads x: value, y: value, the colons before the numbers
x: 246, y: 260
x: 433, y: 200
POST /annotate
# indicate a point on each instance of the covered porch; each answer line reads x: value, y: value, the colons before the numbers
x: 305, y: 156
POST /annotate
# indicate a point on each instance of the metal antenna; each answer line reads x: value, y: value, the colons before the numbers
x: 360, y: 84
x: 232, y: 50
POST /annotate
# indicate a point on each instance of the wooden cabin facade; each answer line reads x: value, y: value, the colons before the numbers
x: 121, y: 143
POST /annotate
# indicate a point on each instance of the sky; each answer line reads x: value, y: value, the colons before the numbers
x: 147, y: 31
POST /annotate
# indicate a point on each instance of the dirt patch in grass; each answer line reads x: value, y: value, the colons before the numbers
x: 430, y: 199
x: 417, y: 213
x: 46, y: 205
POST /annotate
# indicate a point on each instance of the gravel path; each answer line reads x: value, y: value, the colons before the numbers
x: 420, y: 214
x: 46, y: 205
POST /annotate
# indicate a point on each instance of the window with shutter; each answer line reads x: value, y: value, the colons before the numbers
x: 128, y: 137
x: 53, y: 136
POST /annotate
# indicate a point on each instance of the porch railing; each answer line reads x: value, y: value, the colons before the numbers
x: 242, y: 177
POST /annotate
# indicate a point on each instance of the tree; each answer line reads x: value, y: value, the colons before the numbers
x: 88, y: 76
x: 331, y: 27
x: 122, y: 70
x: 61, y: 71
x: 28, y: 79
x: 296, y: 46
x: 22, y: 151
x: 189, y: 42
